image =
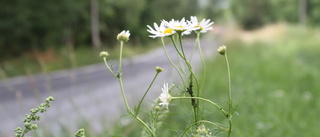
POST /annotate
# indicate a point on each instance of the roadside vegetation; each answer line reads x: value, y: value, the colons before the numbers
x: 63, y: 58
x: 275, y: 85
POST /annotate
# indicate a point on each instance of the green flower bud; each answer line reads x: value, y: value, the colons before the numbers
x: 222, y: 50
x: 50, y: 98
x: 157, y: 108
x: 104, y: 54
x: 80, y: 133
x: 159, y: 69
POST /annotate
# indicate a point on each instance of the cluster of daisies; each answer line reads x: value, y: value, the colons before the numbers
x: 184, y: 27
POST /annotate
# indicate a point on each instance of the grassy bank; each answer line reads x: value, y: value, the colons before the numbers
x: 65, y: 58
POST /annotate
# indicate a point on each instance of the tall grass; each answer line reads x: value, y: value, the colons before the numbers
x: 275, y: 84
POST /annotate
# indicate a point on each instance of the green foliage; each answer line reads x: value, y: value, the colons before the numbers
x: 274, y: 85
x: 252, y: 14
x: 33, y: 25
x: 80, y: 133
x: 33, y: 117
x: 27, y: 25
x: 314, y: 11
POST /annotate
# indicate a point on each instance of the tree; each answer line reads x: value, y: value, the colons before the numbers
x: 95, y: 30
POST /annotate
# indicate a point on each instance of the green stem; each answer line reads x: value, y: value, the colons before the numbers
x: 230, y: 127
x: 206, y: 100
x: 145, y: 125
x: 229, y: 96
x: 203, y: 121
x: 186, y: 60
x: 119, y: 76
x: 229, y: 80
x: 203, y: 62
x: 183, y: 56
x: 106, y: 63
x: 120, y: 59
x: 138, y: 109
x: 171, y: 62
x: 124, y: 95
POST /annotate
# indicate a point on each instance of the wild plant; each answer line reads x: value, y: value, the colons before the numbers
x: 32, y: 117
x: 189, y: 82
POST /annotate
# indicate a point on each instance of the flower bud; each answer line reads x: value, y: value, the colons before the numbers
x: 159, y: 69
x: 80, y: 133
x: 104, y: 54
x: 123, y: 36
x: 222, y: 50
x: 157, y: 108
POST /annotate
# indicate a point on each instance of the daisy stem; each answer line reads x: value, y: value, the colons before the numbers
x: 119, y: 76
x: 120, y: 59
x: 165, y: 50
x: 138, y: 108
x: 229, y: 97
x: 203, y: 62
x: 184, y: 58
x: 229, y: 81
x: 186, y: 61
x: 203, y: 121
x: 196, y: 106
x: 106, y: 63
x: 206, y: 100
x: 146, y: 126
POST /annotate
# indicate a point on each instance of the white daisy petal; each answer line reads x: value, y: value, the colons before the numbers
x: 165, y: 97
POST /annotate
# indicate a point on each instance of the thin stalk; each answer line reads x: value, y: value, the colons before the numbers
x: 230, y: 127
x: 195, y: 107
x: 120, y: 59
x: 119, y: 76
x: 203, y: 63
x: 175, y: 46
x: 171, y: 62
x: 229, y: 80
x: 203, y: 121
x: 123, y: 94
x: 206, y: 100
x: 192, y: 52
x: 186, y: 60
x: 106, y: 63
x: 229, y: 96
x: 145, y: 125
x: 138, y: 108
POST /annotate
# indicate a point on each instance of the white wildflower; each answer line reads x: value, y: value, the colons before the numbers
x: 165, y: 97
x: 180, y: 26
x: 203, y: 26
x: 123, y: 36
x: 160, y: 31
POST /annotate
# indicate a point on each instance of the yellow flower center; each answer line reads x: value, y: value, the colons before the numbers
x: 200, y: 27
x: 179, y: 27
x: 168, y: 30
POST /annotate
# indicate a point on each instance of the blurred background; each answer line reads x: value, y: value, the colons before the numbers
x: 274, y: 56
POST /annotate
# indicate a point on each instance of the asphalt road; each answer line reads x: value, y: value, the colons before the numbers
x: 89, y: 93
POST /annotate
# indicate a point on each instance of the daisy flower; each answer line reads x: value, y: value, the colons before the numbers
x: 165, y: 97
x: 180, y: 26
x: 123, y: 36
x: 160, y: 31
x: 203, y: 26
